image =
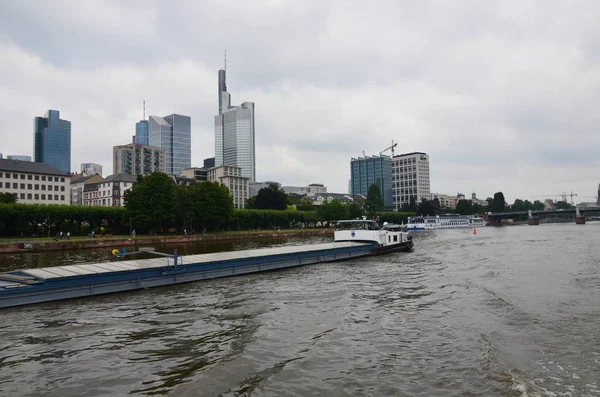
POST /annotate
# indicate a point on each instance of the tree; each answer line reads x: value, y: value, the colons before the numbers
x: 538, y: 205
x: 333, y: 210
x: 270, y: 198
x: 210, y: 204
x: 412, y: 207
x: 498, y: 203
x: 464, y: 207
x: 563, y: 205
x: 374, y: 201
x: 518, y: 205
x: 7, y: 198
x: 152, y: 202
x: 428, y: 207
x: 354, y: 210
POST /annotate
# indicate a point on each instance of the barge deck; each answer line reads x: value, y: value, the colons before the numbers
x: 47, y: 284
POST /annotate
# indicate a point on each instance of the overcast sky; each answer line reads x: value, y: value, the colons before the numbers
x: 502, y: 95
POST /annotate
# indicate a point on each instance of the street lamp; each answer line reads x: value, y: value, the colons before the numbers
x: 130, y: 230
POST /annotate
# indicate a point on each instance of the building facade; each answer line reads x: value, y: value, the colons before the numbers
x: 109, y: 192
x: 34, y: 183
x: 91, y: 169
x: 141, y: 133
x: 52, y: 141
x: 18, y: 157
x: 410, y: 178
x: 135, y: 159
x: 310, y: 190
x: 232, y: 178
x: 209, y: 163
x: 368, y: 170
x: 173, y: 134
x: 195, y: 173
x: 234, y: 133
x: 78, y: 182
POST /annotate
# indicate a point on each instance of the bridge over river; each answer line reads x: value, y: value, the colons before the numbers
x: 495, y: 218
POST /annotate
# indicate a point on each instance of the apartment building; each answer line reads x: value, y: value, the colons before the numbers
x: 34, y: 183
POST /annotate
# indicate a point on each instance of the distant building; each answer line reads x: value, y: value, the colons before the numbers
x: 446, y: 201
x: 309, y: 190
x: 78, y: 182
x: 321, y: 198
x: 368, y: 170
x: 182, y: 180
x: 234, y: 133
x: 209, y: 162
x: 410, y: 175
x: 549, y: 205
x: 141, y: 133
x: 91, y: 169
x: 232, y: 178
x: 52, y: 141
x: 195, y: 173
x: 135, y: 159
x: 34, y: 183
x: 109, y: 192
x: 173, y: 134
x: 18, y: 157
x: 0, y: 156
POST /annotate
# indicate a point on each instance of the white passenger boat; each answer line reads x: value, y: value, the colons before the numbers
x: 390, y: 238
x: 444, y: 222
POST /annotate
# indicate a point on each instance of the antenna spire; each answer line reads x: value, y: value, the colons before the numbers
x: 144, y: 110
x: 225, y: 60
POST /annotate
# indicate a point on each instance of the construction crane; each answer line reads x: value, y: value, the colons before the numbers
x: 389, y: 148
x: 562, y: 195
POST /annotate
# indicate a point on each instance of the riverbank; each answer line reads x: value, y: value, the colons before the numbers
x: 38, y: 245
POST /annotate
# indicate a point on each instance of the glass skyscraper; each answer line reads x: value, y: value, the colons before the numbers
x: 365, y: 171
x: 141, y: 132
x: 234, y: 133
x: 52, y: 141
x: 173, y: 134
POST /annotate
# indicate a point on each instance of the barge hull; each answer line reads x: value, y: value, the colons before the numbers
x: 76, y: 281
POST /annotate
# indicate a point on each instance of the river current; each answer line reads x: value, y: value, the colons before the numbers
x: 511, y: 311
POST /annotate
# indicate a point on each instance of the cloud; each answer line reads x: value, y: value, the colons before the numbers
x: 501, y: 95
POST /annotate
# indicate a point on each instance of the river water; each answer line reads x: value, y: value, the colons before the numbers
x: 511, y: 311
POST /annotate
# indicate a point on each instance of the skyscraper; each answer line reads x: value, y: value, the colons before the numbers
x: 234, y: 133
x: 173, y: 134
x: 141, y: 132
x: 368, y: 170
x: 52, y: 141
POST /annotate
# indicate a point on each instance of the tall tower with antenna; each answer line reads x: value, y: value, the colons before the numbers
x: 141, y: 128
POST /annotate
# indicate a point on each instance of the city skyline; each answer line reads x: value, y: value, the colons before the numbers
x: 499, y: 95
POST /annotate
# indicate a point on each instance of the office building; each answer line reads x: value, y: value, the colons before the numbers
x: 135, y: 159
x: 109, y: 192
x: 209, y: 163
x: 141, y: 133
x: 52, y: 141
x: 368, y: 170
x: 196, y: 174
x: 173, y: 134
x: 232, y: 178
x: 410, y: 176
x: 308, y: 191
x: 91, y: 169
x: 18, y: 157
x: 34, y: 183
x: 234, y: 133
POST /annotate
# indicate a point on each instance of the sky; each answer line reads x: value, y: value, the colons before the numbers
x: 501, y: 95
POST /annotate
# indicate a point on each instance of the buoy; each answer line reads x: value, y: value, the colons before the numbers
x: 115, y: 251
x: 474, y: 231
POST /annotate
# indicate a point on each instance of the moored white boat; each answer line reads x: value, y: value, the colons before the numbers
x: 444, y: 222
x: 390, y: 238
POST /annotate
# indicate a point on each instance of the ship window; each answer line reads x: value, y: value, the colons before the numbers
x: 395, y: 238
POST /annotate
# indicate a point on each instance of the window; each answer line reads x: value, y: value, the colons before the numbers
x: 43, y: 187
x: 37, y: 187
x: 29, y: 186
x: 62, y: 188
x: 0, y: 175
x: 49, y: 197
x: 37, y: 177
x: 50, y: 187
x: 15, y: 195
x: 22, y: 176
x: 29, y: 177
x: 43, y: 197
x: 28, y: 196
x: 36, y: 196
x: 0, y: 184
x: 56, y: 197
x: 15, y: 176
x: 62, y: 197
x: 23, y: 186
x: 62, y: 179
x: 55, y: 179
x: 15, y: 185
x: 56, y: 188
x: 43, y: 177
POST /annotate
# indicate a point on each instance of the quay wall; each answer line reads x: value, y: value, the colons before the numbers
x: 100, y: 242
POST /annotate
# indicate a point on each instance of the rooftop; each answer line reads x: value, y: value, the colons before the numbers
x: 29, y: 167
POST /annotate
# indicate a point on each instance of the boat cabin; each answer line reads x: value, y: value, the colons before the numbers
x: 357, y: 224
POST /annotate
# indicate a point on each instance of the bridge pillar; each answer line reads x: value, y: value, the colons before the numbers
x: 579, y: 220
x: 533, y: 221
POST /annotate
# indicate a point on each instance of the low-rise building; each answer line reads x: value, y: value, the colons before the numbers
x: 109, y: 192
x: 78, y: 182
x: 321, y: 198
x: 231, y: 177
x: 308, y: 191
x: 196, y: 173
x: 34, y: 183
